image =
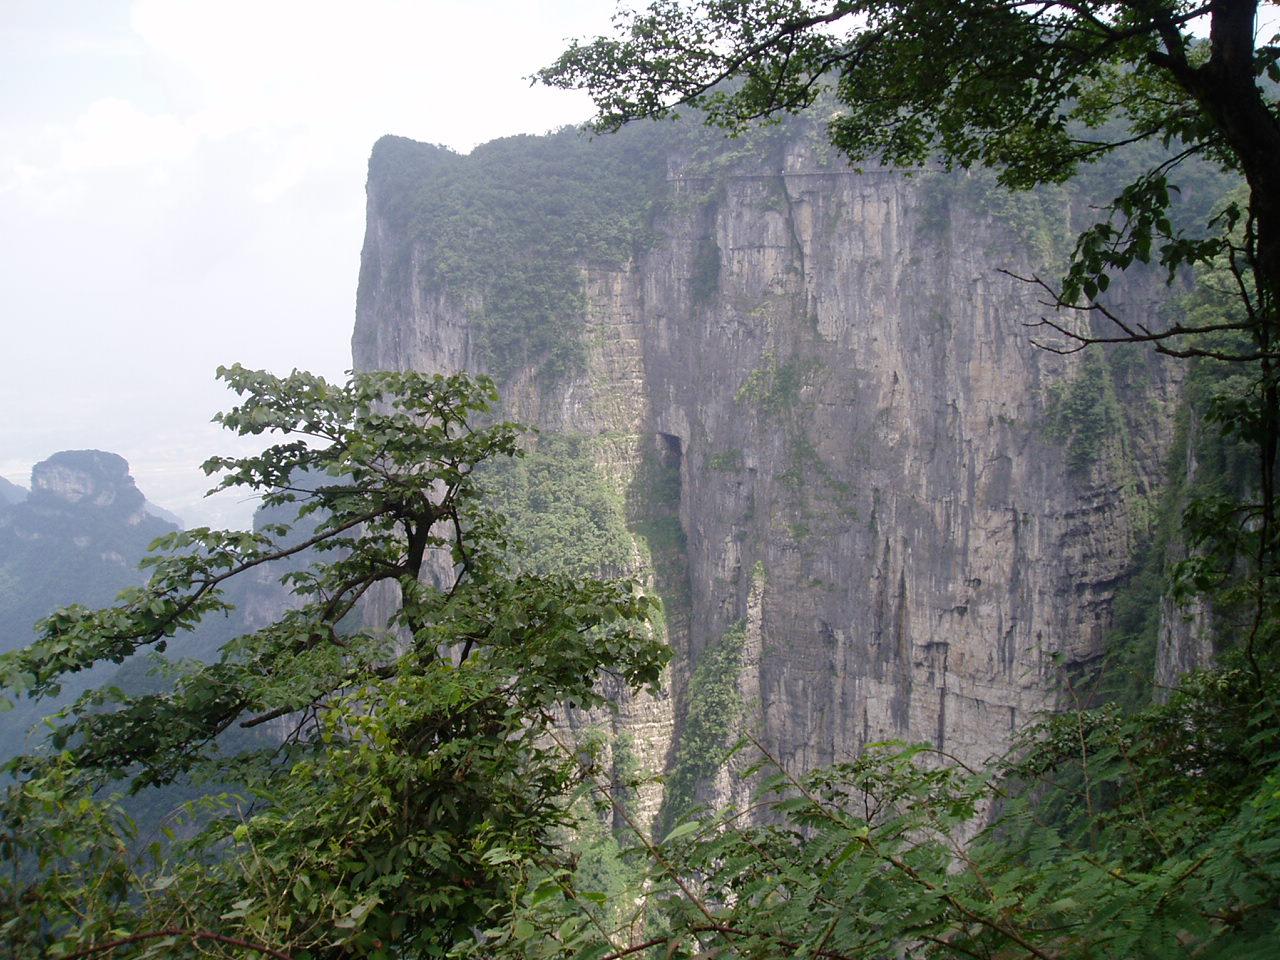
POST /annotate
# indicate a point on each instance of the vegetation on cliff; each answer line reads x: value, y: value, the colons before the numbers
x: 510, y: 226
x: 1111, y: 833
x: 567, y: 517
x: 1035, y: 92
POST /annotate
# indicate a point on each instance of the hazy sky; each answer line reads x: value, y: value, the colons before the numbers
x: 182, y: 185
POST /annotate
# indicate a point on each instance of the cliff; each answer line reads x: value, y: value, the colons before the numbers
x: 873, y: 508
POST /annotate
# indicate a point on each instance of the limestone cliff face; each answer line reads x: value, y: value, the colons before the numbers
x: 880, y: 477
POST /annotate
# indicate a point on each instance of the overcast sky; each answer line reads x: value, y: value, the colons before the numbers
x: 182, y: 185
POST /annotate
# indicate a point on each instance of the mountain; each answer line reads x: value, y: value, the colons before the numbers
x: 77, y: 538
x: 872, y: 506
x: 11, y: 492
x: 168, y: 516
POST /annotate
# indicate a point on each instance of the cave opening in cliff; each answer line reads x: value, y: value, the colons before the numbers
x: 670, y: 452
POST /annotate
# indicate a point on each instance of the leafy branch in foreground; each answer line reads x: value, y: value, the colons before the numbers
x: 408, y: 760
x: 1110, y: 837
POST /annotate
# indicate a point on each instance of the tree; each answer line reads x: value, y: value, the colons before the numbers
x: 409, y: 781
x: 1030, y: 88
x: 1035, y: 90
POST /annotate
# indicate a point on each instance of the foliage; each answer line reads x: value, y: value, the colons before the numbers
x: 727, y: 461
x: 773, y: 389
x: 713, y: 718
x: 1205, y: 466
x: 704, y: 284
x: 411, y: 775
x: 1002, y: 85
x: 653, y: 512
x: 1171, y: 851
x: 566, y: 515
x: 513, y: 223
x: 1084, y: 412
x: 1036, y: 219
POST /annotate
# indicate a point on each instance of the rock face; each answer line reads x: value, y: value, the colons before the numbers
x: 918, y: 518
x: 89, y: 478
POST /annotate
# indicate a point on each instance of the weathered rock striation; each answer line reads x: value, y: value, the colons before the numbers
x: 917, y: 518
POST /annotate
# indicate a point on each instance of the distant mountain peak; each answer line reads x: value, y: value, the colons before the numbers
x: 90, y: 478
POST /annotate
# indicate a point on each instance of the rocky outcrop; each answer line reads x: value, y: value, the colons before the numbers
x: 87, y: 478
x: 920, y: 517
x: 77, y: 537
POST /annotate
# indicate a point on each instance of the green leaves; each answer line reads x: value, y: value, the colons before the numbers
x: 1173, y: 854
x: 1140, y: 224
x: 407, y: 781
x: 1012, y: 87
x: 714, y: 716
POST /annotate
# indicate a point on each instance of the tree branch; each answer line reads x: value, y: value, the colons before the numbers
x: 177, y: 932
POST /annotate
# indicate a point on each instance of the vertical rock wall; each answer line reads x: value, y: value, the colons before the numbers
x: 878, y: 476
